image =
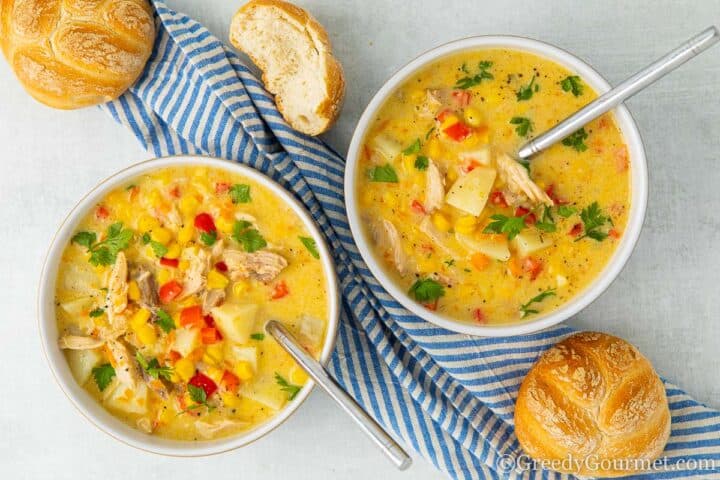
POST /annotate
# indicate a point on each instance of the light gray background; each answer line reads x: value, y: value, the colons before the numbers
x: 666, y: 301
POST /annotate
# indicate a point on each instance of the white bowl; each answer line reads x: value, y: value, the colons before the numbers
x: 639, y: 185
x: 85, y: 403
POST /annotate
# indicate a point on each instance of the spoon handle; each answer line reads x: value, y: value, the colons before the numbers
x: 318, y: 373
x: 622, y: 92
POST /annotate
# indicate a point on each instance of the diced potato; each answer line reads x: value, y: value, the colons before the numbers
x: 82, y: 362
x: 311, y: 331
x: 494, y: 246
x: 470, y: 192
x: 235, y: 320
x: 481, y: 156
x: 127, y: 399
x: 265, y: 390
x: 76, y: 307
x: 387, y: 146
x: 529, y: 241
x: 237, y: 354
x: 186, y: 339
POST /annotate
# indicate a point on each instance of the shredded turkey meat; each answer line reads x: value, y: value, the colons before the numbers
x: 196, y: 274
x: 434, y: 187
x: 519, y: 182
x: 126, y: 368
x: 386, y: 235
x: 79, y: 342
x: 263, y: 265
x: 116, y: 298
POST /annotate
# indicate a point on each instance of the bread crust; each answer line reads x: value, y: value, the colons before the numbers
x: 593, y: 397
x: 334, y: 79
x: 72, y: 54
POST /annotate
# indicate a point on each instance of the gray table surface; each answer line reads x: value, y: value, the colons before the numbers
x: 666, y: 301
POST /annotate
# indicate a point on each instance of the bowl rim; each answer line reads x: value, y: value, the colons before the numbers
x: 638, y: 190
x: 92, y: 410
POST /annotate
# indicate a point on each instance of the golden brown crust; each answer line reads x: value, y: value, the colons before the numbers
x: 75, y: 53
x: 592, y: 396
x: 333, y: 77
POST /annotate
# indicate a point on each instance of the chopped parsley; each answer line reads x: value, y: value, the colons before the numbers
x: 98, y: 312
x: 199, y: 396
x: 593, y: 220
x: 450, y: 262
x: 145, y: 239
x: 250, y: 238
x: 104, y: 252
x: 164, y: 320
x: 429, y: 132
x: 422, y: 162
x: 209, y: 238
x: 427, y: 290
x: 103, y: 375
x: 285, y: 386
x: 240, y: 193
x: 383, y: 173
x: 258, y: 336
x: 526, y: 92
x: 547, y: 222
x: 576, y: 140
x: 413, y: 148
x: 525, y: 309
x: 153, y: 367
x: 524, y: 125
x: 310, y: 245
x: 572, y: 84
x: 565, y: 211
x: 158, y: 248
x: 510, y: 226
x: 472, y: 80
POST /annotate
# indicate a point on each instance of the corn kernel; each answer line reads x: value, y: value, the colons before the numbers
x: 188, y: 205
x: 185, y: 369
x: 473, y: 117
x: 166, y: 414
x: 224, y: 224
x: 208, y: 360
x: 449, y: 121
x: 230, y: 399
x: 140, y: 318
x: 417, y: 95
x: 162, y: 235
x: 163, y: 276
x: 243, y: 370
x: 215, y: 373
x: 133, y: 291
x: 297, y: 375
x: 409, y: 163
x: 390, y: 199
x: 186, y: 233
x: 146, y: 334
x: 480, y: 261
x: 183, y: 265
x: 441, y: 222
x: 154, y: 198
x: 215, y: 351
x: 433, y: 148
x: 216, y: 279
x: 466, y: 225
x: 173, y: 251
x: 240, y: 287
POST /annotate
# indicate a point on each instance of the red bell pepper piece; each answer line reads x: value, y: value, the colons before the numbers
x: 169, y: 262
x: 497, y: 198
x: 192, y: 317
x: 205, y: 223
x: 458, y: 131
x: 204, y: 382
x: 230, y: 382
x: 479, y: 316
x: 532, y: 266
x: 221, y: 266
x: 221, y: 187
x: 418, y: 207
x: 281, y: 290
x: 170, y: 291
x: 576, y: 230
x: 102, y: 212
x: 210, y: 335
x: 461, y: 97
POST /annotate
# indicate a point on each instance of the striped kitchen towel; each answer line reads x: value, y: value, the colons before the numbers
x: 449, y: 396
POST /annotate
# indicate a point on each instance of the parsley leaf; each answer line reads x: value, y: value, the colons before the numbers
x: 472, y: 80
x: 249, y: 238
x: 198, y: 395
x: 526, y: 92
x: 593, y: 219
x: 572, y: 84
x: 158, y: 248
x: 576, y: 140
x: 98, y: 312
x: 86, y: 239
x: 208, y: 238
x: 285, y: 386
x: 384, y: 173
x: 547, y: 223
x: 427, y: 290
x: 508, y: 225
x: 153, y: 367
x: 164, y: 321
x: 565, y: 211
x: 525, y: 309
x: 240, y: 193
x: 422, y: 162
x: 413, y: 148
x: 310, y: 245
x: 258, y: 336
x: 103, y: 375
x: 524, y: 125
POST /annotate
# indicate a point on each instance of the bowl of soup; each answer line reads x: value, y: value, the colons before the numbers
x: 155, y: 293
x: 460, y: 231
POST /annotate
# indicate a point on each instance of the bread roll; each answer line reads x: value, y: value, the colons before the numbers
x: 593, y: 398
x: 294, y: 53
x: 75, y: 53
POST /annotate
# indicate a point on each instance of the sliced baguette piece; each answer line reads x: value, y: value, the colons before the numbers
x: 293, y: 51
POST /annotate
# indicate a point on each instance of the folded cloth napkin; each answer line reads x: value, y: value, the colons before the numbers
x: 449, y: 396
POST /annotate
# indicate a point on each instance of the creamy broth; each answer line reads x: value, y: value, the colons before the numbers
x: 162, y: 297
x: 442, y: 205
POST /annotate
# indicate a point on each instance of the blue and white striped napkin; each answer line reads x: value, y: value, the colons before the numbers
x: 449, y: 396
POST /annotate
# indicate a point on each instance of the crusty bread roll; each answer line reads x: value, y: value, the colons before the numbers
x: 294, y: 53
x: 74, y: 53
x: 593, y: 398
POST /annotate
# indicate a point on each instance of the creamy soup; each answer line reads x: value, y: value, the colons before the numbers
x: 460, y: 224
x: 163, y: 293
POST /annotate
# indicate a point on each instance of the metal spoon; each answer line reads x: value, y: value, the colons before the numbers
x: 318, y: 373
x: 622, y: 92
